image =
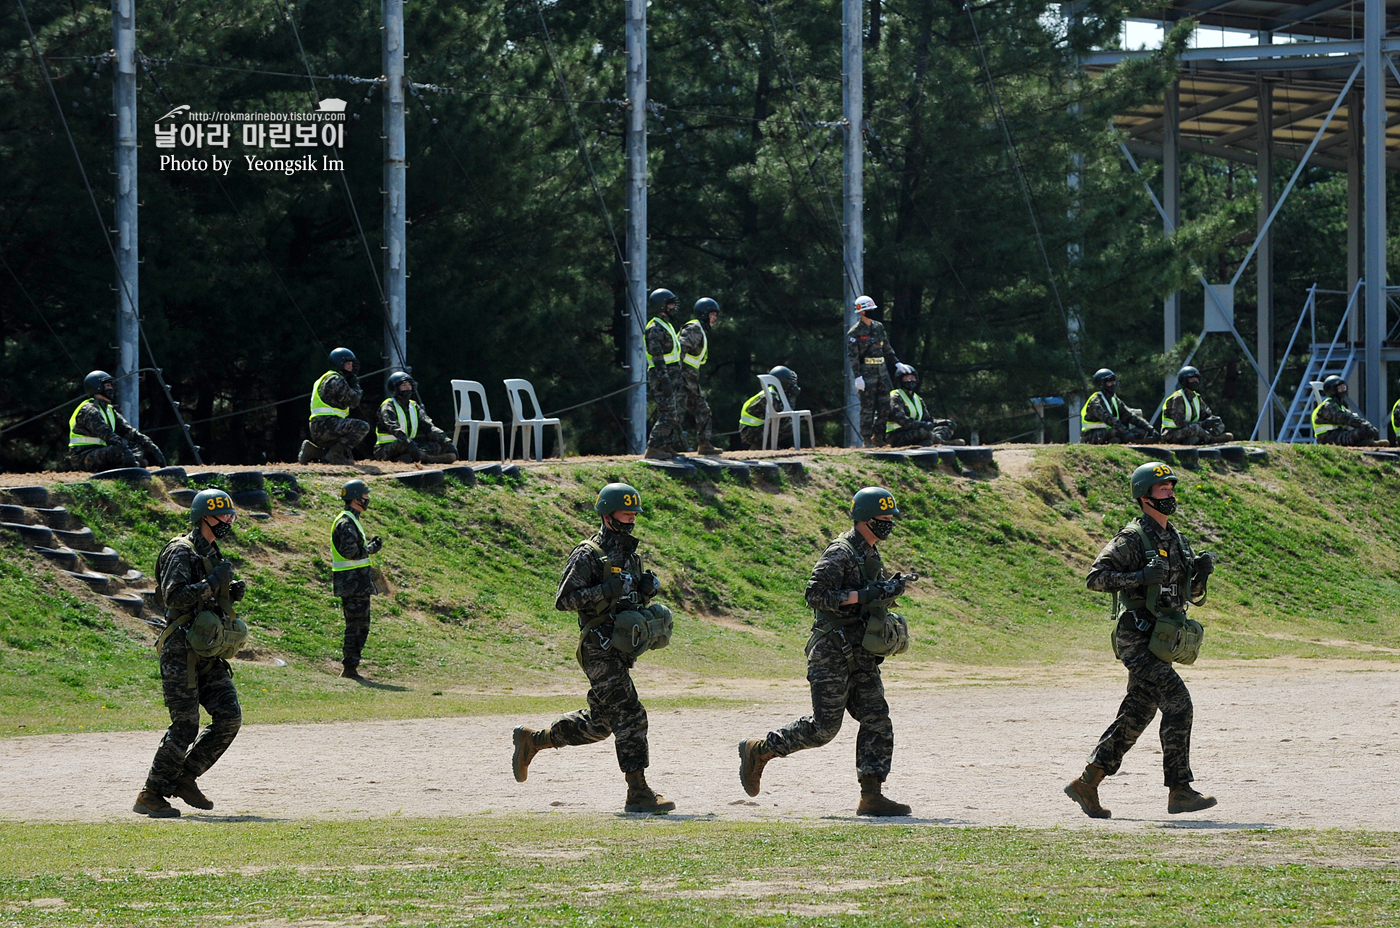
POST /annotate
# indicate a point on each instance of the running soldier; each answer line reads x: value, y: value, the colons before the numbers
x: 848, y: 583
x: 100, y: 438
x: 1152, y: 572
x: 604, y: 574
x: 197, y: 585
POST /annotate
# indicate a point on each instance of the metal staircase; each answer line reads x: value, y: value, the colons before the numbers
x: 1324, y: 360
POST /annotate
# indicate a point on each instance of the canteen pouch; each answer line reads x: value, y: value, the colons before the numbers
x: 1176, y: 638
x: 210, y: 635
x: 637, y: 631
x: 886, y: 634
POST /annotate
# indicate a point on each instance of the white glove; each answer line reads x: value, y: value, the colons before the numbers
x: 860, y: 383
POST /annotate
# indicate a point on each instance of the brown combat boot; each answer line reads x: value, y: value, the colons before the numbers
x: 351, y: 672
x: 310, y: 452
x: 339, y: 454
x: 1085, y: 791
x: 149, y: 802
x: 642, y: 798
x: 873, y: 802
x: 1185, y: 799
x: 707, y: 449
x: 754, y: 755
x: 658, y: 453
x: 528, y: 743
x: 188, y: 790
x: 878, y: 441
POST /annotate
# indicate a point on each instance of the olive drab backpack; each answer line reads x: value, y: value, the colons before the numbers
x: 635, y: 631
x: 1175, y: 637
x: 207, y: 633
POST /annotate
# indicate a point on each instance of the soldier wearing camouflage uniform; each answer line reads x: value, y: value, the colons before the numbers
x: 1107, y: 420
x: 1334, y: 424
x: 844, y: 676
x: 352, y: 574
x: 191, y: 573
x: 1124, y: 567
x: 405, y: 434
x: 664, y: 376
x: 1186, y: 419
x: 100, y: 438
x: 334, y: 434
x: 597, y: 592
x: 755, y: 410
x: 695, y: 351
x: 868, y: 350
x: 910, y: 424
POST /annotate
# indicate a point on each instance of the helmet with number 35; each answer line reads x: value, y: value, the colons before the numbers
x: 872, y: 502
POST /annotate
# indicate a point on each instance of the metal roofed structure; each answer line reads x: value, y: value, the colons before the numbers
x: 1303, y: 100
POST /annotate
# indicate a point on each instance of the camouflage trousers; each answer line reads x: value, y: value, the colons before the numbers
x: 214, y: 691
x: 664, y: 388
x: 836, y: 690
x: 328, y: 430
x: 1351, y: 438
x: 1112, y: 436
x: 751, y: 436
x: 874, y: 402
x: 1152, y: 684
x: 1193, y: 433
x: 105, y: 457
x: 613, y: 709
x: 356, y: 612
x: 940, y: 434
x: 692, y: 401
x: 401, y: 452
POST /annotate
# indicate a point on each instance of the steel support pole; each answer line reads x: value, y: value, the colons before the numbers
x: 1375, y: 232
x: 852, y: 191
x: 1171, y: 206
x: 128, y: 251
x: 1264, y: 268
x: 395, y: 190
x: 636, y: 42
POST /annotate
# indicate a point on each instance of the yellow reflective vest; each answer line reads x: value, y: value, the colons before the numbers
x: 338, y: 561
x: 318, y: 405
x: 1193, y: 410
x: 912, y: 402
x: 77, y: 440
x: 696, y: 360
x: 1113, y: 409
x: 748, y: 413
x: 408, y: 423
x: 672, y: 356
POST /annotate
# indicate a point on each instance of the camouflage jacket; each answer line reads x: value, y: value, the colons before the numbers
x: 181, y: 575
x: 693, y: 338
x: 342, y: 391
x: 1116, y: 567
x: 900, y: 413
x: 1099, y: 410
x: 581, y: 587
x: 659, y: 340
x: 837, y: 573
x: 1175, y: 409
x: 1332, y: 412
x: 91, y: 421
x: 357, y: 581
x: 863, y: 342
x: 389, y: 422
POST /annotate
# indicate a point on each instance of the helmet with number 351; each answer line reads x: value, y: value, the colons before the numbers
x: 211, y: 502
x: 1149, y: 475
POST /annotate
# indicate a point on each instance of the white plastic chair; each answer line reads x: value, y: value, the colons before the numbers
x: 773, y: 418
x: 462, y: 393
x: 531, y: 429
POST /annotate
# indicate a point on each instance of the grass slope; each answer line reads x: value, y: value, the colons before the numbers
x: 1307, y: 546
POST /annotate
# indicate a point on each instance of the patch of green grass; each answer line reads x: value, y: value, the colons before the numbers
x: 595, y: 870
x: 1307, y: 570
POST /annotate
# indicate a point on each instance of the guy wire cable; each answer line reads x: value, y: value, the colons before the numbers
x: 97, y: 211
x: 20, y: 284
x: 349, y: 198
x: 1026, y: 192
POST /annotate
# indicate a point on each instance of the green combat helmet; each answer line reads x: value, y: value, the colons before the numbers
x: 617, y: 496
x: 1149, y: 475
x: 210, y: 502
x: 353, y: 490
x: 871, y: 502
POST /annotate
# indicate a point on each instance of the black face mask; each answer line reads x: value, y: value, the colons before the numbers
x: 221, y: 529
x: 622, y: 528
x: 881, y: 528
x: 1165, y: 506
x: 1110, y: 388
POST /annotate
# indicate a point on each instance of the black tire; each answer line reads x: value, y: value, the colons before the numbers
x: 170, y: 474
x: 33, y: 497
x: 206, y: 479
x: 244, y: 480
x: 250, y: 499
x: 419, y: 479
x: 130, y: 474
x: 489, y: 470
x: 65, y: 558
x: 463, y: 474
x: 12, y: 513
x: 79, y: 539
x: 31, y: 534
x: 183, y: 497
x: 105, y: 561
x: 57, y: 517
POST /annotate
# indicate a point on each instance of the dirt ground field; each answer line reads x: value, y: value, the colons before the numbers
x: 1281, y: 743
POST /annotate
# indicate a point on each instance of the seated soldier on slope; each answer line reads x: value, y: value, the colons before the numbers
x: 1186, y: 419
x: 1334, y: 424
x: 909, y: 423
x: 1106, y: 420
x: 99, y: 438
x: 405, y: 434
